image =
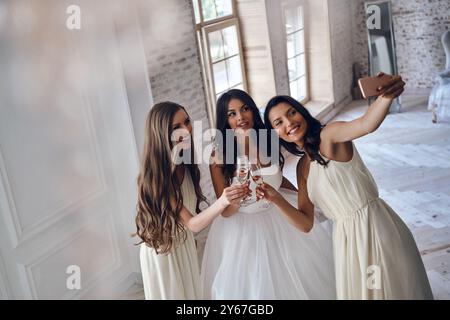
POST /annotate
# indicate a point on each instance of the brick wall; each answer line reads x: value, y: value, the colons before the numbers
x: 175, y: 71
x: 418, y: 26
x: 341, y: 49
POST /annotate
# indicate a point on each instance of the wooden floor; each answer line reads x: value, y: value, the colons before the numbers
x: 409, y: 157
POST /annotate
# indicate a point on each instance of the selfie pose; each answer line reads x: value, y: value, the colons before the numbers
x: 375, y: 254
x: 169, y: 196
x: 252, y: 252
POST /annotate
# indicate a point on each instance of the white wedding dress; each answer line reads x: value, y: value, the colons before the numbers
x: 257, y: 254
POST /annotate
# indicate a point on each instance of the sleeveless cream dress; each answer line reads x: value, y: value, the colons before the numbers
x: 175, y: 275
x: 375, y: 254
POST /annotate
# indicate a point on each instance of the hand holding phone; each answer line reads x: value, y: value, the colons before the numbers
x: 369, y: 85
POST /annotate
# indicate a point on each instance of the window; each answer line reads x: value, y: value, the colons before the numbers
x: 296, y: 56
x: 220, y: 45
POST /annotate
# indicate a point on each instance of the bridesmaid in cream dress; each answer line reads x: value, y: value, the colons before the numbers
x: 168, y: 207
x: 375, y: 254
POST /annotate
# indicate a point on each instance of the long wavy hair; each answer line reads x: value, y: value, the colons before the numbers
x: 222, y: 125
x: 312, y: 135
x: 158, y: 222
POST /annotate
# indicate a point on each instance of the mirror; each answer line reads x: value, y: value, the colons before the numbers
x: 382, y: 57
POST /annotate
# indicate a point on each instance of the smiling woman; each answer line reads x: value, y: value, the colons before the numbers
x: 168, y: 209
x: 368, y: 236
x: 252, y: 251
x: 292, y: 123
x: 239, y: 115
x: 236, y: 109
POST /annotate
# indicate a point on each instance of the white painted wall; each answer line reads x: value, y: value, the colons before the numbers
x: 68, y: 156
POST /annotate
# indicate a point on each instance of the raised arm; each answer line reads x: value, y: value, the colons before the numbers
x: 341, y: 131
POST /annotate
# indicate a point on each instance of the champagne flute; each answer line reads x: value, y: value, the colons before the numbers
x: 242, y: 168
x: 214, y: 143
x: 215, y: 152
x: 257, y: 177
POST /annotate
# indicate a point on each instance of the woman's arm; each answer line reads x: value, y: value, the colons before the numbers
x: 302, y: 217
x: 341, y: 131
x: 230, y: 196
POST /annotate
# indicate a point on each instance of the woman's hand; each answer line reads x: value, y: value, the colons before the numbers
x: 266, y: 191
x: 235, y: 193
x: 346, y: 131
x: 393, y: 89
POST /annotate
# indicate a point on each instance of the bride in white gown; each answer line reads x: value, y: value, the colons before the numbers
x: 253, y: 252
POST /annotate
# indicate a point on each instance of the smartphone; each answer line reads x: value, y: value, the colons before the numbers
x: 369, y: 85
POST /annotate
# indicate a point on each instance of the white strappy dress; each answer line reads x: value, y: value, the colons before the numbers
x: 375, y: 254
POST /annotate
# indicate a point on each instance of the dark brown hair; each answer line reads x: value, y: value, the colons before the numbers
x: 158, y: 221
x: 222, y: 125
x: 312, y: 135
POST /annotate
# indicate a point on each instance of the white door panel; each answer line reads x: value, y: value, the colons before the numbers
x: 68, y: 157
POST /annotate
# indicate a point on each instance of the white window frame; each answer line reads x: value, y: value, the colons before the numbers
x: 203, y: 29
x: 290, y: 5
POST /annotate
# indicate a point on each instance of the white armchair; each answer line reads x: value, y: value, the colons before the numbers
x: 439, y: 101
